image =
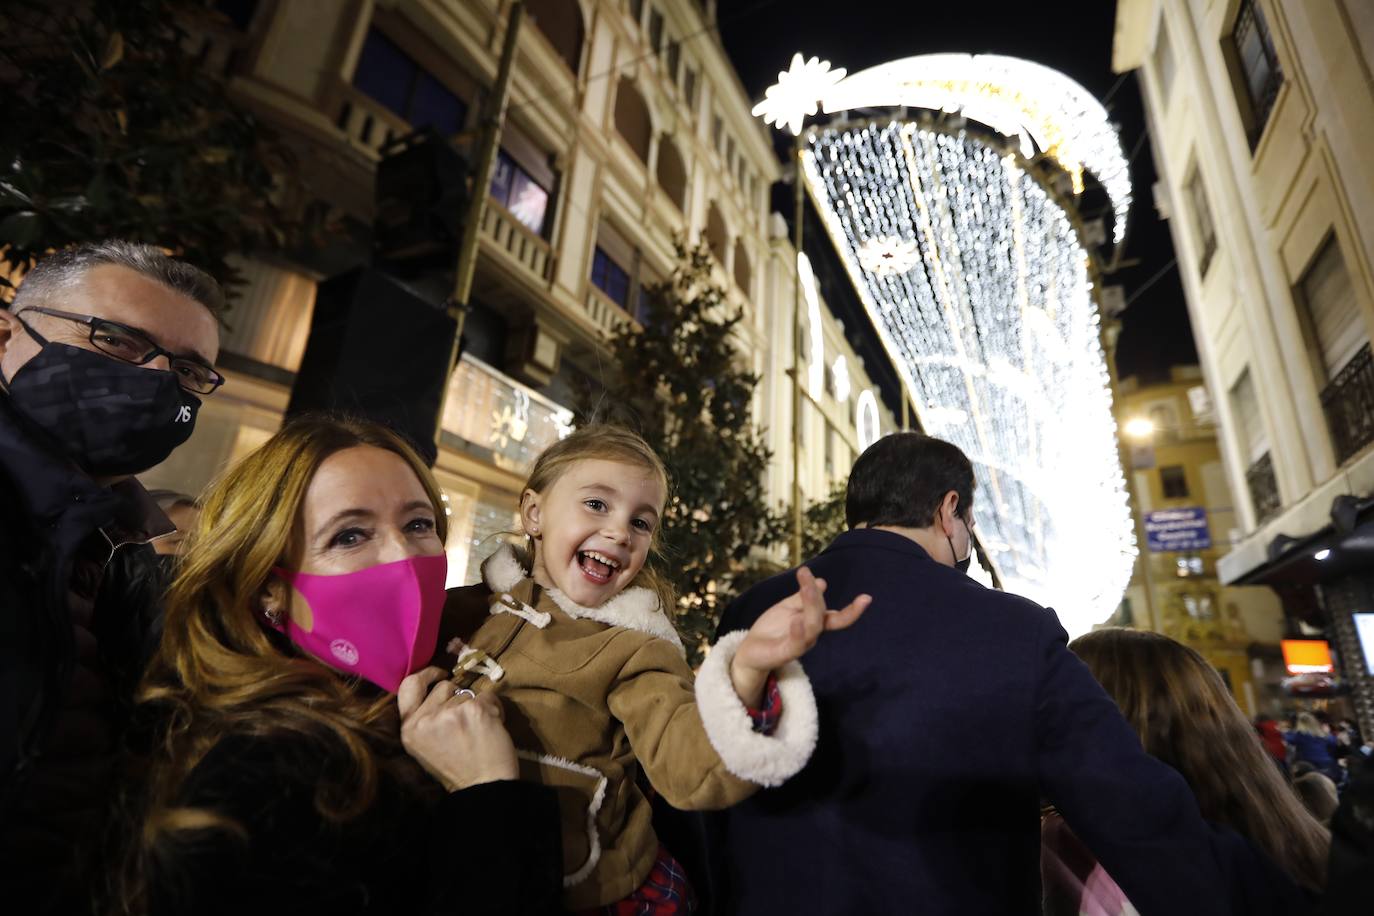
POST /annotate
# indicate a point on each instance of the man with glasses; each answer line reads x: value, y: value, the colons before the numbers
x: 105, y: 355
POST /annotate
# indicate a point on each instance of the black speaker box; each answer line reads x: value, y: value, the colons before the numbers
x: 422, y: 200
x: 378, y: 351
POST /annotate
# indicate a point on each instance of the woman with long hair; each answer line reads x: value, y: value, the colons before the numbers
x: 303, y: 763
x: 1186, y: 717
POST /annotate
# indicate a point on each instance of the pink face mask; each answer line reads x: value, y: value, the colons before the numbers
x: 381, y: 623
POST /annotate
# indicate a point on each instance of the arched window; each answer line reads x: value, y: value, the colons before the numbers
x: 632, y: 119
x: 743, y: 274
x: 561, y: 23
x: 717, y: 236
x: 672, y: 172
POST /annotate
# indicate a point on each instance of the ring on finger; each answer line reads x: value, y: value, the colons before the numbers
x: 464, y: 692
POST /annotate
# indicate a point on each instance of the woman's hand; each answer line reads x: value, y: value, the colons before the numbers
x: 786, y: 631
x: 460, y: 741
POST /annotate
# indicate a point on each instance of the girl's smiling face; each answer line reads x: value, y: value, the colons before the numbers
x: 593, y: 528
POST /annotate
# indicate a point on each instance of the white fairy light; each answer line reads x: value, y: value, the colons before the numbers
x: 889, y: 255
x: 994, y: 332
x: 815, y: 368
x: 938, y: 419
x: 795, y: 95
x: 840, y: 373
x: 867, y: 421
x: 1038, y: 107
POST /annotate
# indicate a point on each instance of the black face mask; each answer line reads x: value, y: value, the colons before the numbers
x: 962, y: 565
x: 110, y: 417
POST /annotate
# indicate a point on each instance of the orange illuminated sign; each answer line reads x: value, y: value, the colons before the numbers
x: 1307, y: 656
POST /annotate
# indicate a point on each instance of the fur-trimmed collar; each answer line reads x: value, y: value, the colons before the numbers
x: 635, y: 608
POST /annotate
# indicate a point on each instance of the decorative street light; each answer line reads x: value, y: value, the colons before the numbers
x: 958, y: 230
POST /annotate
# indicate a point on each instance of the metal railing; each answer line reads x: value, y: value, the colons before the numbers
x: 1264, y: 488
x: 1348, y: 402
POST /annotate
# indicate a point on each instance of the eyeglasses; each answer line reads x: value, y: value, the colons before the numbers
x: 134, y: 346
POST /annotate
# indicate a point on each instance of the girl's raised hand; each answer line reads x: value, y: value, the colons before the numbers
x: 785, y: 632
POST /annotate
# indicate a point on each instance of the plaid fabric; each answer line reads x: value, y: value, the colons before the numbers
x: 766, y: 719
x: 664, y: 893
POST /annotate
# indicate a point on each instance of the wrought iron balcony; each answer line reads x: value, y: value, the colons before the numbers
x: 1348, y: 402
x: 1264, y: 488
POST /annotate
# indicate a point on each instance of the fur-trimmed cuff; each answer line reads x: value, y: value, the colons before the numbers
x: 768, y: 760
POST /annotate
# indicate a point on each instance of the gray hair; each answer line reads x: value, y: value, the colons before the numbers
x: 63, y: 269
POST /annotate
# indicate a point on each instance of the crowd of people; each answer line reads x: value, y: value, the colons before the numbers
x: 263, y: 699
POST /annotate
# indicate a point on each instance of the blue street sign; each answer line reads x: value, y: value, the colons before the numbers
x: 1177, y: 530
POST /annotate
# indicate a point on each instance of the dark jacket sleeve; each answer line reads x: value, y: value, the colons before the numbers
x: 1136, y: 814
x: 493, y: 848
x: 497, y: 848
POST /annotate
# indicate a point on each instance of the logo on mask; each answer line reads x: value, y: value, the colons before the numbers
x: 344, y: 651
x: 183, y: 414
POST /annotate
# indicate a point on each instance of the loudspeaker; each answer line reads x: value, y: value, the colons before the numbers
x: 379, y: 351
x: 422, y: 200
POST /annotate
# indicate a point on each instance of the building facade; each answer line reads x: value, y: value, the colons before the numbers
x: 1261, y: 113
x: 1186, y: 513
x: 627, y: 128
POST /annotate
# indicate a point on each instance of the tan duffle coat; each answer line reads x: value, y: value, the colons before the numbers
x: 592, y: 694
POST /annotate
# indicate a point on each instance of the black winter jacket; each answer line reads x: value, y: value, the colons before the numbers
x: 492, y: 849
x: 77, y: 601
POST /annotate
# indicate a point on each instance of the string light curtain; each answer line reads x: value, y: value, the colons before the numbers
x: 978, y: 283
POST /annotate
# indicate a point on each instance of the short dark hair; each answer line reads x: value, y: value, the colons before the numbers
x: 901, y: 479
x: 63, y: 268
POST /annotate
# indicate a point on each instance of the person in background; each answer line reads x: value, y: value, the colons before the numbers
x: 1185, y: 716
x: 106, y: 353
x: 1350, y: 879
x: 1318, y: 794
x: 1271, y: 736
x: 1313, y: 743
x: 946, y: 713
x: 307, y: 761
x: 182, y: 511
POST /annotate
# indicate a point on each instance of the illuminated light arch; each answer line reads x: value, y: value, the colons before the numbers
x: 976, y: 280
x: 1038, y: 106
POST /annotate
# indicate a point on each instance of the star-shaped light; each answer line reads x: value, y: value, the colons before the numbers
x: 795, y: 95
x: 886, y: 256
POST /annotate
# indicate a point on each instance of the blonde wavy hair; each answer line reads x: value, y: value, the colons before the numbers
x: 219, y: 670
x: 608, y: 443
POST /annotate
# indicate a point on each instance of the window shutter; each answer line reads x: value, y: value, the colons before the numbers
x: 1331, y: 306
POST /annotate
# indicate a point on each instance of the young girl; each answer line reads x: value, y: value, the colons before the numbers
x: 577, y: 640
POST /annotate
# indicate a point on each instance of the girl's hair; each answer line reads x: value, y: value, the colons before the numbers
x: 1185, y: 716
x: 1309, y: 724
x: 219, y: 670
x: 607, y: 443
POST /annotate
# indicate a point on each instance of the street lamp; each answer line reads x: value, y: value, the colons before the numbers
x: 1141, y: 429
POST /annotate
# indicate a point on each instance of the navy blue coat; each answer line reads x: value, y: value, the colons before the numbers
x: 946, y: 714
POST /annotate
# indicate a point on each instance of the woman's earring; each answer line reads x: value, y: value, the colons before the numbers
x: 273, y: 615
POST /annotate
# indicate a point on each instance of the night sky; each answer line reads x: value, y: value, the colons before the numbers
x: 1074, y: 36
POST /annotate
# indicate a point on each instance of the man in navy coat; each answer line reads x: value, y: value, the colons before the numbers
x: 947, y: 713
